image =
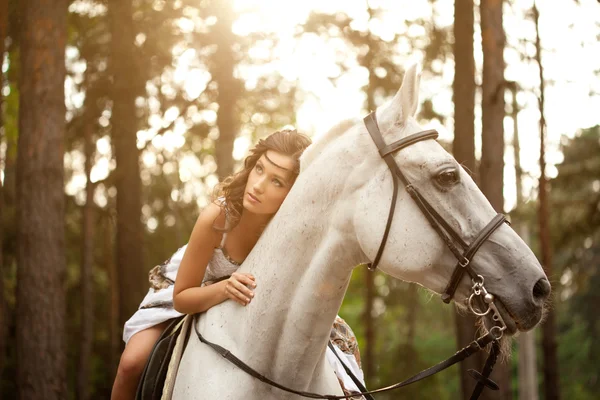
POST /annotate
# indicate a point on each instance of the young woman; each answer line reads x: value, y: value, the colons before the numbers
x: 224, y: 234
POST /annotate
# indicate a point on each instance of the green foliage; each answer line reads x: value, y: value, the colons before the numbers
x: 402, y: 307
x: 575, y: 235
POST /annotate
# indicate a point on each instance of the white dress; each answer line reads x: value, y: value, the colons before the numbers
x: 157, y: 307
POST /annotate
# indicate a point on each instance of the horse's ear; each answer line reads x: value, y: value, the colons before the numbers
x: 409, y: 92
x: 405, y: 102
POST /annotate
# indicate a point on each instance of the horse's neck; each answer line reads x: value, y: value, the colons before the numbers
x: 302, y: 264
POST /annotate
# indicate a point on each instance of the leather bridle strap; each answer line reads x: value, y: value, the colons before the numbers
x: 438, y: 223
x: 372, y: 127
x: 459, y: 270
x: 407, y: 141
x: 385, y: 151
x: 483, y: 379
x: 467, y: 351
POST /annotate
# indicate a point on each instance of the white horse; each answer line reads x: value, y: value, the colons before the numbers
x: 332, y: 220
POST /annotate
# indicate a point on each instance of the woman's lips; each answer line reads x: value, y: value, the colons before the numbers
x: 253, y: 198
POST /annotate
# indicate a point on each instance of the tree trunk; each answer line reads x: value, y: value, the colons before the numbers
x: 528, y: 387
x: 133, y: 279
x: 113, y: 279
x: 463, y: 149
x: 517, y: 145
x: 551, y: 377
x: 3, y: 308
x: 40, y: 331
x: 87, y: 264
x: 492, y: 140
x: 228, y: 89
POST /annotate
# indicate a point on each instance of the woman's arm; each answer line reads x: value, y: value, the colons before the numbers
x: 188, y: 296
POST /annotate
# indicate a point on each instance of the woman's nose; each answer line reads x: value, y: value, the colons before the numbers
x: 259, y: 185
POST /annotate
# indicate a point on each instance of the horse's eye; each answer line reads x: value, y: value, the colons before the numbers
x: 448, y: 177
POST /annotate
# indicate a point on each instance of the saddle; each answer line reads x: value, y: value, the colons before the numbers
x: 154, y: 375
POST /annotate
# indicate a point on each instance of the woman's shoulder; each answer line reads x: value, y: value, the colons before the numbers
x: 211, y: 212
x: 210, y: 219
x: 222, y: 219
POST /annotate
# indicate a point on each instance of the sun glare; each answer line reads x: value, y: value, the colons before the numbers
x: 311, y: 64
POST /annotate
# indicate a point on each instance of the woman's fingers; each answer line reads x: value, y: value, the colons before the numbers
x: 237, y: 286
x: 235, y: 294
x: 245, y: 278
x: 240, y: 285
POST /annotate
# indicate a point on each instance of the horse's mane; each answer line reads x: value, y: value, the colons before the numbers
x: 315, y: 148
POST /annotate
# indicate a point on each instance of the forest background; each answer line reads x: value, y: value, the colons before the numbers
x: 117, y: 117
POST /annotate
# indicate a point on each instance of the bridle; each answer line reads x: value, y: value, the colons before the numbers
x: 464, y: 254
x: 438, y: 223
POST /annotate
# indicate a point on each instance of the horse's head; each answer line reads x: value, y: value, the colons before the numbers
x: 415, y: 251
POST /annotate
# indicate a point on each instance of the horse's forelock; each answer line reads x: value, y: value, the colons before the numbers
x: 313, y: 150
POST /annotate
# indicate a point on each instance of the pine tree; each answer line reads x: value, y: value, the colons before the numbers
x: 41, y: 346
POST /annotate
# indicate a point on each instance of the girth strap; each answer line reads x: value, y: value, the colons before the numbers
x: 467, y: 351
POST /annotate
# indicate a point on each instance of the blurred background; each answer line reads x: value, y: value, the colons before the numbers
x: 117, y: 117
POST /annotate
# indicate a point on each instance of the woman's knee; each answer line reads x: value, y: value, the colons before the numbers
x: 137, y: 351
x: 132, y: 362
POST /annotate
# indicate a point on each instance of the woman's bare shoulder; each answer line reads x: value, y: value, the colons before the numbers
x: 212, y: 210
x: 210, y: 217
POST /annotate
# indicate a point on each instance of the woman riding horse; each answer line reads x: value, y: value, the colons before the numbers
x: 191, y: 281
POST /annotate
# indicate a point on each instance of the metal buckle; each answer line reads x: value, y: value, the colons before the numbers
x: 477, y: 281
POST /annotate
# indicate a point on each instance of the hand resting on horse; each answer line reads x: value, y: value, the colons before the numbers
x: 239, y: 287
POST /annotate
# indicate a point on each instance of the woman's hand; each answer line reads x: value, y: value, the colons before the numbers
x: 237, y: 287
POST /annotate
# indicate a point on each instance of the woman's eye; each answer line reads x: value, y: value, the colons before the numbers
x: 258, y: 168
x: 277, y: 183
x: 447, y: 178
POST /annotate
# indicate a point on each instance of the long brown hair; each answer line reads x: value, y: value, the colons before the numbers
x: 229, y: 194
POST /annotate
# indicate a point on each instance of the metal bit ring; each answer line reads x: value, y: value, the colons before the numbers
x: 475, y: 311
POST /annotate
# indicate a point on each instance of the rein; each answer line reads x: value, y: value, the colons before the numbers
x: 492, y: 336
x: 464, y: 254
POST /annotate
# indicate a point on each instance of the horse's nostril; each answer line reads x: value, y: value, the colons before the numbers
x: 541, y: 289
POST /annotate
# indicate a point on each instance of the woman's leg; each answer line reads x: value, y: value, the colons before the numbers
x: 133, y: 360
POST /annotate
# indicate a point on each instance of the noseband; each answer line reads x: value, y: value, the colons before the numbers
x: 464, y: 255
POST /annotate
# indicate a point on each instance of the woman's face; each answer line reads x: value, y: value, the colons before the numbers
x: 268, y: 183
